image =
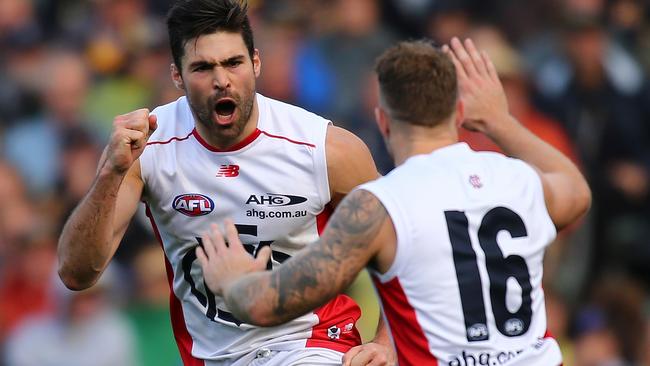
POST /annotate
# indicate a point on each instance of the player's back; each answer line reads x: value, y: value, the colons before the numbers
x: 465, y: 285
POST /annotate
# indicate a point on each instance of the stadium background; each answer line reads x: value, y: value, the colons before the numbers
x: 575, y: 72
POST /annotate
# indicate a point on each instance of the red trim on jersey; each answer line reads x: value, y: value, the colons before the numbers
x: 175, y: 138
x: 243, y: 143
x: 410, y: 342
x: 337, y: 314
x: 323, y: 218
x: 183, y: 339
x: 336, y: 328
x: 288, y: 139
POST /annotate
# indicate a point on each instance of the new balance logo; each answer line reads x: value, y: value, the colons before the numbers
x: 228, y: 171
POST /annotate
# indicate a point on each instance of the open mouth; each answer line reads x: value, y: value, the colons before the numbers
x: 225, y: 110
x: 225, y: 107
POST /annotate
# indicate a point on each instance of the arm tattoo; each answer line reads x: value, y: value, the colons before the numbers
x: 320, y: 271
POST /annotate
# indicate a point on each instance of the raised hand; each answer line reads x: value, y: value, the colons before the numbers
x: 223, y: 264
x: 129, y: 138
x: 484, y: 101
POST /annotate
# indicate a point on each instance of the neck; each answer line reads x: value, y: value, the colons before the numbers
x: 408, y: 140
x: 223, y: 139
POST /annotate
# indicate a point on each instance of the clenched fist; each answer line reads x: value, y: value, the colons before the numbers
x: 129, y: 138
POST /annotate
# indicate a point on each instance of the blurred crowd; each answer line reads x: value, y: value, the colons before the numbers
x: 575, y: 73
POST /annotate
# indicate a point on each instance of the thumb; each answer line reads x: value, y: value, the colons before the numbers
x: 263, y: 257
x: 348, y: 356
x: 153, y: 124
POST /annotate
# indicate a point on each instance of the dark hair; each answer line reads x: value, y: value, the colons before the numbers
x: 189, y: 19
x: 418, y: 83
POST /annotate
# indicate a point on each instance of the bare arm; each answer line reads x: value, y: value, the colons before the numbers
x: 92, y: 233
x: 349, y: 163
x: 566, y: 192
x: 354, y: 235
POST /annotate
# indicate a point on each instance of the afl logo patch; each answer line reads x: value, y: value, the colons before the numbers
x: 193, y: 204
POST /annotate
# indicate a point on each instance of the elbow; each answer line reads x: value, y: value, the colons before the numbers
x: 74, y: 281
x: 583, y: 199
x: 263, y: 318
x: 253, y: 312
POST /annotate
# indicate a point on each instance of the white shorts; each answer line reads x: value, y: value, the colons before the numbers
x: 315, y: 356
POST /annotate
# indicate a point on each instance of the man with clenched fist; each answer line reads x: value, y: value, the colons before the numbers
x: 223, y: 150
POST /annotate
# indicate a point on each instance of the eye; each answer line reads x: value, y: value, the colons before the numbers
x: 203, y: 67
x: 233, y: 63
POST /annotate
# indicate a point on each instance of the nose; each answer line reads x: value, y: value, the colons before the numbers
x: 220, y: 79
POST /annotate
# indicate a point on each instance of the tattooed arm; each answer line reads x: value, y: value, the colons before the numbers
x: 359, y: 233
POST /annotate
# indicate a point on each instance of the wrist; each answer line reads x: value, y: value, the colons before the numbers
x: 500, y: 127
x: 110, y: 175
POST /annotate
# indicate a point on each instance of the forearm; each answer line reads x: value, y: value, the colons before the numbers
x: 566, y: 191
x: 85, y: 244
x: 275, y: 297
x: 517, y: 141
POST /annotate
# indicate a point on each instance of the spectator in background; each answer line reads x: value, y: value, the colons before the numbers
x: 599, y: 93
x: 16, y: 212
x: 25, y: 282
x: 85, y: 330
x: 124, y: 46
x: 515, y: 84
x: 21, y: 55
x: 64, y: 85
x: 149, y: 311
x: 610, y: 330
x: 448, y: 19
x: 334, y: 71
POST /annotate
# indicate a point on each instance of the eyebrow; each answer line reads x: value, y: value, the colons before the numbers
x: 222, y: 62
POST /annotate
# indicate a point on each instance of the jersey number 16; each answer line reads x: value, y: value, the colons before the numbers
x: 499, y: 269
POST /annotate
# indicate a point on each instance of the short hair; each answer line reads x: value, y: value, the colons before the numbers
x: 189, y: 19
x: 417, y: 82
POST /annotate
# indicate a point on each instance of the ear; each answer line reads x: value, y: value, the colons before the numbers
x: 177, y: 78
x: 381, y: 118
x: 257, y: 63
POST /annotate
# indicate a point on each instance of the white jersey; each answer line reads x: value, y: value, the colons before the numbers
x: 465, y: 287
x: 274, y: 186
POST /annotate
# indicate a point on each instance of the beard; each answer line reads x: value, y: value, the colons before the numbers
x: 223, y: 134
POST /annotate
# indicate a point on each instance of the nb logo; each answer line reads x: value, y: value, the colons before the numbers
x: 228, y: 171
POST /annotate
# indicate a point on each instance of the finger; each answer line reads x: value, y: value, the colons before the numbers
x: 477, y: 60
x: 492, y: 71
x: 208, y: 245
x: 377, y: 362
x: 460, y: 71
x: 462, y: 56
x: 232, y: 236
x: 362, y: 358
x: 201, y: 256
x: 153, y: 124
x: 263, y: 257
x: 142, y: 113
x: 349, y: 355
x: 217, y: 238
x: 133, y: 138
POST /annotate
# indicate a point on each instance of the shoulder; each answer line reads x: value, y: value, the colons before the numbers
x: 175, y: 120
x: 287, y: 119
x: 275, y: 106
x: 349, y: 162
